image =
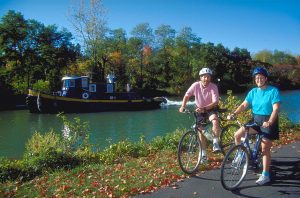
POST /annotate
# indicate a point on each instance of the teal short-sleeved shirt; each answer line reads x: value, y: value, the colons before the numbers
x: 261, y: 100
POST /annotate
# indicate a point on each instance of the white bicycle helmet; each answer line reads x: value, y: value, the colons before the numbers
x: 205, y: 70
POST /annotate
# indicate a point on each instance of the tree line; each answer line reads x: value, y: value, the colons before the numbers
x: 35, y: 55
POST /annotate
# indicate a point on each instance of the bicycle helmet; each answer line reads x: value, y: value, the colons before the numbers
x: 260, y: 70
x: 205, y: 71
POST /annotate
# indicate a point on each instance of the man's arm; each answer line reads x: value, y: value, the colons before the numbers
x: 184, y: 101
x: 211, y: 106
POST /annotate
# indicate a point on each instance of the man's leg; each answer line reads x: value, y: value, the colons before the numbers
x: 203, y: 146
x: 216, y: 132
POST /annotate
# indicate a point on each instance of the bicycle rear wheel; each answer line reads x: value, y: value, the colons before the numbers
x: 227, y: 137
x: 189, y: 152
x: 234, y: 167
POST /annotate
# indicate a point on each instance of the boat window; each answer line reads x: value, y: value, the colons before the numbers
x: 110, y: 88
x: 92, y: 88
x: 69, y: 83
x: 84, y: 82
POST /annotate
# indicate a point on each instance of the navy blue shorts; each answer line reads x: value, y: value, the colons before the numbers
x: 270, y: 133
x: 202, y: 118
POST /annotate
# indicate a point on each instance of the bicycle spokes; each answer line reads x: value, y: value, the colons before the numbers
x: 234, y: 167
x: 189, y: 152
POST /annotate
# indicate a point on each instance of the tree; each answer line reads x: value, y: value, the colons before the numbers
x: 276, y: 57
x: 142, y: 35
x: 13, y: 33
x: 32, y: 51
x: 298, y: 59
x: 118, y: 56
x: 264, y: 56
x: 280, y: 57
x: 165, y: 43
x: 183, y: 64
x: 90, y: 24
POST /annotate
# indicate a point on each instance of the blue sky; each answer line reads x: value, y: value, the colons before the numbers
x: 252, y: 24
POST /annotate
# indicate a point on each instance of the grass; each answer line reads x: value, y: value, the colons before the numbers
x: 131, y: 177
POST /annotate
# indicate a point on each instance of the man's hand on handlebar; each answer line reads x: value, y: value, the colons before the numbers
x: 231, y: 116
x: 182, y: 109
x: 200, y: 110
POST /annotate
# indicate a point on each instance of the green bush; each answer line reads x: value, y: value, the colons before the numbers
x: 75, y: 134
x: 40, y: 144
x: 42, y: 86
x: 86, y: 155
x: 170, y: 141
x: 284, y: 122
x: 16, y: 169
x: 50, y: 151
x: 230, y: 103
x: 45, y: 152
x: 119, y: 151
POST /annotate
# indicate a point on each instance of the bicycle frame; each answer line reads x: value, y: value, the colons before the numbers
x: 253, y: 152
x: 238, y: 159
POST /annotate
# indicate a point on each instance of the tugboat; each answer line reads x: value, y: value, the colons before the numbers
x: 78, y: 95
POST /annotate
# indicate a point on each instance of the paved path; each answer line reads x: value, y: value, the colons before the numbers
x: 285, y: 181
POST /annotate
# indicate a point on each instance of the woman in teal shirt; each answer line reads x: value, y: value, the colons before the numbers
x: 264, y: 101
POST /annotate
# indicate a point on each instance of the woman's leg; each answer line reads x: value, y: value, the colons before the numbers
x: 238, y: 135
x: 266, y: 154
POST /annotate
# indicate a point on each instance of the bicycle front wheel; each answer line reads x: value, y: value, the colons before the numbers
x: 234, y: 167
x: 189, y: 152
x: 227, y: 137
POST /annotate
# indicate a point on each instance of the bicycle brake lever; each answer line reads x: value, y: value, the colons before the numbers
x: 231, y: 117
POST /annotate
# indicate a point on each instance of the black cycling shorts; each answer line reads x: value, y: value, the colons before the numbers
x: 270, y: 133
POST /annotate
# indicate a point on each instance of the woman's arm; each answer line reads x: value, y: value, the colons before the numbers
x: 273, y: 116
x: 241, y: 108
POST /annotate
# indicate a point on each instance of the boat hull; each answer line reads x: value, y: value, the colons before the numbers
x: 45, y: 103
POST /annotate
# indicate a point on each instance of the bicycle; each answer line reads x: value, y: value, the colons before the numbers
x: 236, y: 162
x: 189, y: 151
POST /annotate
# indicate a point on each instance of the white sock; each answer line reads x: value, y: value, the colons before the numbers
x: 215, y: 140
x: 203, y: 152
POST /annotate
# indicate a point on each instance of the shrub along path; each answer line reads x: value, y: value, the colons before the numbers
x: 131, y: 177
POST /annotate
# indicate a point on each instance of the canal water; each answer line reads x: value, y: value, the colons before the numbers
x: 16, y: 127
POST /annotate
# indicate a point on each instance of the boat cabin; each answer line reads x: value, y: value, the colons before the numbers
x: 81, y: 87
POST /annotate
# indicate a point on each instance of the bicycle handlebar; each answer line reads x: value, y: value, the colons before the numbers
x: 193, y: 111
x: 234, y: 117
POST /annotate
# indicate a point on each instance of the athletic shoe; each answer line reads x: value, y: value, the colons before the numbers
x: 263, y: 180
x: 203, y: 160
x: 216, y: 147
